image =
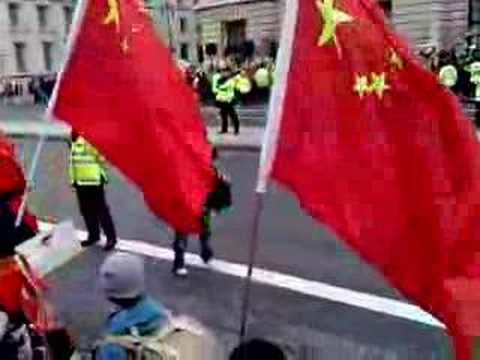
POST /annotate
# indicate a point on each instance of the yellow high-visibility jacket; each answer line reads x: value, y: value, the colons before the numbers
x: 86, y: 165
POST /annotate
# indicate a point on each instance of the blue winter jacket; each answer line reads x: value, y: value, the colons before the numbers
x: 147, y: 316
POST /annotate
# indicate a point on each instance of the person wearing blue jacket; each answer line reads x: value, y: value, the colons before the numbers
x: 122, y: 279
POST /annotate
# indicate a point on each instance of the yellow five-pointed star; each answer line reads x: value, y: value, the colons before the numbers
x: 113, y: 15
x: 395, y: 60
x: 331, y: 18
x: 361, y: 85
x: 379, y: 84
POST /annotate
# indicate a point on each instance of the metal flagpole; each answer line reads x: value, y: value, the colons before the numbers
x: 75, y: 29
x: 31, y: 175
x: 31, y: 172
x: 254, y: 241
x: 269, y: 145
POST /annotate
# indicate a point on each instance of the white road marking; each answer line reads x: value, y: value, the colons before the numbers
x: 303, y: 286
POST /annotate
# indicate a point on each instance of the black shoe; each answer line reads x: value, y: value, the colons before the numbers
x: 223, y: 132
x: 88, y: 243
x: 207, y: 256
x: 110, y: 245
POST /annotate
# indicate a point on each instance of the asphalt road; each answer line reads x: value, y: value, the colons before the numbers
x: 316, y: 255
x: 291, y: 243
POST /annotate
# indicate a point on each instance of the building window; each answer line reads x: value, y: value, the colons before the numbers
x: 68, y: 16
x: 183, y: 25
x: 474, y: 12
x: 199, y: 30
x: 386, y: 5
x: 47, y: 55
x: 13, y: 10
x: 200, y: 53
x: 235, y: 34
x: 20, y: 49
x: 184, y: 52
x: 42, y: 12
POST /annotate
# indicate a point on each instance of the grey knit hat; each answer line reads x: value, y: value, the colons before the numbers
x: 122, y: 276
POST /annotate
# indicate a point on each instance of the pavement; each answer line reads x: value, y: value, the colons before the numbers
x: 250, y: 115
x: 28, y: 121
x: 250, y: 138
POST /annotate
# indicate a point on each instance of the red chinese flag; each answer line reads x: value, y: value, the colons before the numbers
x: 374, y: 147
x: 12, y: 180
x: 121, y: 90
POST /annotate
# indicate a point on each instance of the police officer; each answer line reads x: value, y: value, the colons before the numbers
x: 447, y: 74
x: 473, y: 70
x: 263, y: 80
x: 223, y: 87
x: 243, y: 86
x: 88, y: 176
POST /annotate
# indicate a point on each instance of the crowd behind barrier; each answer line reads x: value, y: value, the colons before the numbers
x: 26, y: 89
x: 460, y: 72
x: 255, y: 89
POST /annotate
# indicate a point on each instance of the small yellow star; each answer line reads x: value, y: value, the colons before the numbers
x: 331, y: 18
x: 361, y: 85
x: 395, y: 60
x: 379, y: 84
x: 124, y: 45
x: 113, y: 15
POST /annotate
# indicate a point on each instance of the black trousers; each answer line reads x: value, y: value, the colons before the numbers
x: 227, y: 110
x: 95, y: 212
x: 180, y: 244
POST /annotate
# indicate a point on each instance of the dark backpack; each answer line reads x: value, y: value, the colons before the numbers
x: 220, y: 198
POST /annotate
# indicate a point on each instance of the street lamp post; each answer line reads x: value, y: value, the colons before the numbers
x: 2, y: 64
x: 169, y: 25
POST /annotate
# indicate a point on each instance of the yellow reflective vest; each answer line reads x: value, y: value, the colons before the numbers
x: 262, y: 78
x: 86, y: 165
x: 215, y: 78
x: 474, y: 70
x: 448, y: 75
x: 226, y: 91
x: 243, y: 84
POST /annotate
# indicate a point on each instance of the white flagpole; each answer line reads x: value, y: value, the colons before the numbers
x: 275, y: 109
x: 77, y: 20
x: 269, y: 144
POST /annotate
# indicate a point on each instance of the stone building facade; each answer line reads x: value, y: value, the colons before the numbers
x: 33, y: 34
x: 437, y: 23
x: 230, y: 23
x: 424, y: 22
x: 186, y: 30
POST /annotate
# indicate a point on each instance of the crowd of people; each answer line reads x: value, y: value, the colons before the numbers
x: 460, y: 73
x: 253, y: 80
x: 36, y: 89
x: 140, y: 326
x: 228, y: 84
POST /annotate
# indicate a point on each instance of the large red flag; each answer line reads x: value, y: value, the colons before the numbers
x: 12, y: 181
x: 374, y: 147
x: 122, y: 91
